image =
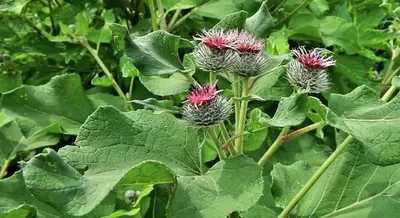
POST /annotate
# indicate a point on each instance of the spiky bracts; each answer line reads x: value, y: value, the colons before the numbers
x: 232, y: 50
x: 307, y: 80
x: 308, y: 71
x: 215, y: 54
x: 205, y: 107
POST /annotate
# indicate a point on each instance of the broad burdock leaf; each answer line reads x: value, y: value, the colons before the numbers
x: 10, y: 81
x: 216, y: 193
x: 12, y: 141
x: 163, y: 86
x: 260, y: 22
x: 291, y: 111
x: 110, y: 142
x: 235, y: 20
x: 51, y: 107
x: 257, y: 125
x: 370, y: 120
x: 351, y: 187
x: 218, y: 9
x: 153, y: 54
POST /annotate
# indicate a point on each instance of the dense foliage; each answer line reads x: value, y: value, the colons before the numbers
x: 91, y: 119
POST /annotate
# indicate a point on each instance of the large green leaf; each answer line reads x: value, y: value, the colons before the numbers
x: 9, y: 81
x: 260, y: 22
x: 291, y: 111
x: 355, y: 68
x: 235, y: 20
x: 111, y: 141
x: 216, y: 194
x: 337, y: 31
x: 174, y: 84
x: 60, y: 106
x: 155, y: 53
x: 12, y: 141
x: 216, y: 9
x: 351, y: 187
x: 370, y: 120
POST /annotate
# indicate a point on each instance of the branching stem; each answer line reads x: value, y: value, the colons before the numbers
x: 242, y: 116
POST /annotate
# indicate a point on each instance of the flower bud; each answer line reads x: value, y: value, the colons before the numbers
x: 205, y: 107
x: 212, y: 60
x: 249, y: 64
x: 307, y: 80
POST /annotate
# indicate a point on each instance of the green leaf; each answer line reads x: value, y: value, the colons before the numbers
x: 159, y: 106
x: 102, y: 35
x: 105, y: 99
x: 102, y: 81
x: 277, y: 42
x: 81, y: 25
x: 127, y: 67
x: 15, y: 7
x: 288, y: 180
x: 291, y: 111
x: 217, y: 9
x: 370, y: 120
x: 119, y: 33
x: 174, y: 84
x: 61, y: 102
x: 351, y: 187
x: 12, y: 141
x: 355, y: 68
x: 337, y: 31
x: 226, y: 194
x: 179, y: 4
x: 257, y: 125
x: 235, y: 20
x: 155, y: 53
x: 319, y: 7
x: 260, y: 22
x: 9, y: 81
x: 396, y: 81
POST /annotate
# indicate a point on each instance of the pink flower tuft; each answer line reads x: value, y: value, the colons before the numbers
x: 314, y: 59
x: 202, y: 95
x: 218, y: 39
x: 246, y: 43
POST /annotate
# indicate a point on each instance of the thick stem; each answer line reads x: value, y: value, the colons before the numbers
x: 163, y: 23
x: 316, y: 176
x: 174, y: 18
x: 214, y: 137
x: 278, y: 7
x: 389, y: 79
x: 278, y: 141
x: 302, y: 131
x: 131, y: 89
x: 242, y: 117
x: 389, y: 93
x: 180, y: 21
x: 325, y: 166
x: 226, y: 137
x: 106, y: 71
x: 213, y: 78
x: 3, y: 171
x: 236, y: 94
x: 153, y: 14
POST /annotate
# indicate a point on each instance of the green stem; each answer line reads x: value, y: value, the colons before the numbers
x: 292, y: 13
x: 242, y: 117
x: 389, y: 93
x: 131, y: 89
x: 214, y: 137
x: 174, y: 18
x: 389, y: 79
x: 388, y: 74
x: 213, y: 78
x: 278, y: 141
x: 163, y: 23
x: 236, y: 94
x: 325, y: 166
x: 3, y: 171
x: 190, y: 78
x: 180, y: 21
x: 106, y: 71
x: 226, y: 137
x: 153, y: 14
x: 279, y: 6
x: 302, y: 131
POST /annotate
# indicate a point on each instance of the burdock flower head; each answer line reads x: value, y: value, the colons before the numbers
x: 204, y: 107
x: 250, y: 59
x: 214, y: 54
x: 308, y: 72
